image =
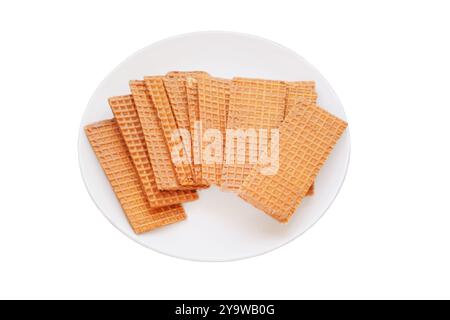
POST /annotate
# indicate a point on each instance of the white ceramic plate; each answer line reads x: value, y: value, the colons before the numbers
x: 220, y: 226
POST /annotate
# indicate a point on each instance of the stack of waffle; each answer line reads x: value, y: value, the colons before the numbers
x: 172, y: 136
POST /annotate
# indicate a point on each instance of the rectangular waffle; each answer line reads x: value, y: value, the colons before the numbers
x: 195, y: 126
x: 155, y: 86
x: 112, y: 153
x: 254, y: 104
x: 127, y: 118
x: 175, y: 84
x: 157, y: 148
x: 305, y: 90
x: 213, y: 101
x: 307, y: 137
x: 176, y: 92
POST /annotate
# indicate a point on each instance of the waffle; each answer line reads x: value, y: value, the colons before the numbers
x: 127, y: 118
x: 157, y: 148
x: 195, y: 126
x: 305, y: 90
x: 213, y: 101
x: 112, y: 153
x: 155, y: 86
x: 184, y: 74
x: 254, y: 104
x: 176, y: 92
x: 307, y: 137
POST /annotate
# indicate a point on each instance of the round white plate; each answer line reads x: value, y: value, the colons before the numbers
x: 220, y: 226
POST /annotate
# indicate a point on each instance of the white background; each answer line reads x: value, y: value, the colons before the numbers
x: 386, y: 236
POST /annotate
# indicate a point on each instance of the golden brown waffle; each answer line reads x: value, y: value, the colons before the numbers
x: 305, y: 90
x: 112, y: 153
x: 213, y: 101
x: 184, y: 74
x: 155, y: 87
x: 127, y: 118
x: 176, y: 92
x: 195, y: 126
x: 254, y: 104
x: 307, y: 137
x: 297, y: 90
x: 192, y: 98
x: 158, y: 150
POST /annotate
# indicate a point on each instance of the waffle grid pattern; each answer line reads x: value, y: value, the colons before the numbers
x: 194, y: 119
x: 213, y: 101
x: 134, y: 148
x: 254, y: 104
x: 157, y: 148
x: 155, y: 86
x: 307, y: 137
x: 127, y: 118
x: 297, y: 90
x: 177, y: 93
x: 190, y: 83
x: 184, y: 74
x: 112, y: 153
